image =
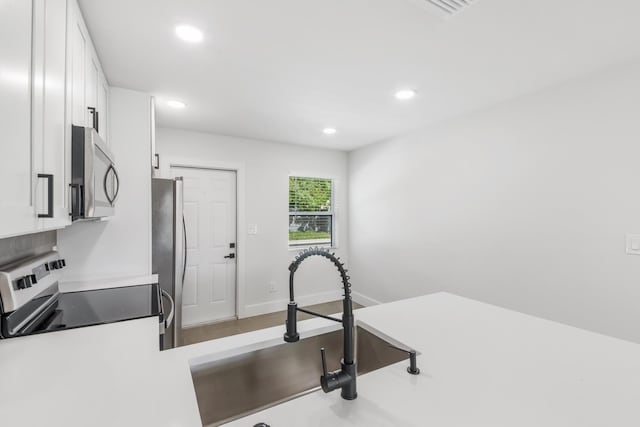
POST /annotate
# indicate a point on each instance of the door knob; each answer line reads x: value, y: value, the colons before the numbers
x: 230, y: 256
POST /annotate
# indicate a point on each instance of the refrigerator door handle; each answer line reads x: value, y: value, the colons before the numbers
x: 169, y: 318
x: 178, y: 269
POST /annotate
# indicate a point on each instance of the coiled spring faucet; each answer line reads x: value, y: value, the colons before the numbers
x: 345, y: 378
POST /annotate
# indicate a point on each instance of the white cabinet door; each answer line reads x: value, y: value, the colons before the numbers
x: 77, y: 65
x: 16, y: 208
x: 48, y: 111
x: 97, y: 94
x: 155, y: 159
x: 103, y: 108
x: 93, y: 79
x: 87, y: 85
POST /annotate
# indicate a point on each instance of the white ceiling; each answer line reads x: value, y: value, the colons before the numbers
x: 283, y: 70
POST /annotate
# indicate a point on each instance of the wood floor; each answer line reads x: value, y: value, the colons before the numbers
x: 234, y: 327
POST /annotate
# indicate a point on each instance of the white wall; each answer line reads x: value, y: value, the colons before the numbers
x: 267, y: 166
x: 120, y: 246
x: 525, y: 205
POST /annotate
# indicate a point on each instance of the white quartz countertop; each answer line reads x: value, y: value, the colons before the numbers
x: 107, y: 375
x: 480, y: 366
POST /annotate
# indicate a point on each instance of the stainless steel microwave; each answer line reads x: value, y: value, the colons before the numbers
x: 94, y: 184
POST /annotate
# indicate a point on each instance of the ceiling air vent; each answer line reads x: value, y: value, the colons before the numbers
x: 446, y: 8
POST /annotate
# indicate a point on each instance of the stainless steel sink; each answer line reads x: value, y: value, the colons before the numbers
x: 238, y: 386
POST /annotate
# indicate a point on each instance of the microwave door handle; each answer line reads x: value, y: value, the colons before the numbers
x: 106, y: 186
x: 113, y: 199
x: 117, y: 182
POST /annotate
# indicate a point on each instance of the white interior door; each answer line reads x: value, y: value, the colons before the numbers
x: 209, y: 293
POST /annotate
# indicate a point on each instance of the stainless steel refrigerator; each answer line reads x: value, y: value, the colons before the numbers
x: 169, y: 248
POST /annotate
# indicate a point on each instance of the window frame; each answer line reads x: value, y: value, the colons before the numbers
x: 333, y: 244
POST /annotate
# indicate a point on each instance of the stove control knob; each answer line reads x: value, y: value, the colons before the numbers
x: 62, y: 263
x: 53, y: 265
x: 24, y: 282
x: 34, y: 279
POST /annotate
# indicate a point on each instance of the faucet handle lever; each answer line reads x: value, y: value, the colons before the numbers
x: 324, y: 361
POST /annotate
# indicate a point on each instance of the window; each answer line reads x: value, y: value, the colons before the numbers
x: 310, y: 211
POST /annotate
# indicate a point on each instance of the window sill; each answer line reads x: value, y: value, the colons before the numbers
x: 306, y: 247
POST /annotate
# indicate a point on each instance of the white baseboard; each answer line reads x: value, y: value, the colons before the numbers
x: 281, y: 305
x: 363, y: 299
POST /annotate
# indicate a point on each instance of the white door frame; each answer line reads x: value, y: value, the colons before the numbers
x: 239, y: 168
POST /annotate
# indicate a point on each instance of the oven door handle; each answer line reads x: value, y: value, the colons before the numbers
x: 169, y: 318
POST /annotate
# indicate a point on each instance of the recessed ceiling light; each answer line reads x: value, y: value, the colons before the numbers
x: 405, y: 94
x: 329, y: 131
x: 176, y: 104
x: 189, y: 34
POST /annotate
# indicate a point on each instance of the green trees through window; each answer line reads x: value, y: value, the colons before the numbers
x: 310, y: 211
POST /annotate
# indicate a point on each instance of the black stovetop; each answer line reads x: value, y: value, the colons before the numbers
x: 101, y: 306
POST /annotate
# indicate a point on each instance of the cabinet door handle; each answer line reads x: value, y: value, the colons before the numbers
x: 95, y: 115
x: 49, y: 179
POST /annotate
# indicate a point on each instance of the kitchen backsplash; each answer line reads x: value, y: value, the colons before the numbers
x: 14, y: 248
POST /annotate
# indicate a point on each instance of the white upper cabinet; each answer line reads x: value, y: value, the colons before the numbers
x: 93, y: 76
x: 87, y: 85
x: 77, y: 64
x: 17, y: 214
x: 155, y: 157
x: 48, y: 112
x: 103, y: 107
x: 50, y: 78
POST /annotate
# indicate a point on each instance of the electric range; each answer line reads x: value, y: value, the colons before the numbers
x: 31, y: 303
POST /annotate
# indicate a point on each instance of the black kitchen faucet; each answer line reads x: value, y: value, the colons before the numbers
x: 345, y: 378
